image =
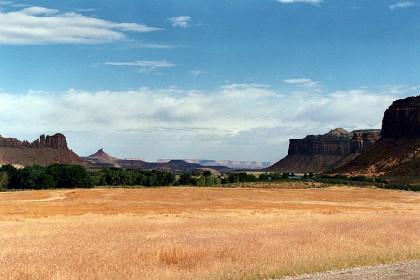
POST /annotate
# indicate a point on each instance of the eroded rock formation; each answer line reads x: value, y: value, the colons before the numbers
x: 397, y: 153
x: 402, y: 119
x: 43, y: 151
x: 320, y: 153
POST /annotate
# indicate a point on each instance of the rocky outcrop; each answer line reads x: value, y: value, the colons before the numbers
x: 320, y: 153
x: 102, y: 159
x: 402, y: 119
x: 397, y: 153
x: 57, y: 141
x: 43, y: 151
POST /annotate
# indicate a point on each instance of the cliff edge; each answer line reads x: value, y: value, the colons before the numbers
x: 397, y: 153
x: 43, y: 151
x: 321, y: 153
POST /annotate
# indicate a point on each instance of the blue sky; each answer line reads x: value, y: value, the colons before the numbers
x: 202, y: 79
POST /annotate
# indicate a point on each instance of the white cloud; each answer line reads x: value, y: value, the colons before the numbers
x: 39, y: 25
x: 146, y: 66
x: 238, y: 121
x: 181, y: 21
x: 402, y: 5
x: 196, y: 73
x: 303, y: 82
x: 313, y: 2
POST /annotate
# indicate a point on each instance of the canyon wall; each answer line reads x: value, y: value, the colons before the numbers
x: 320, y: 153
x: 397, y: 153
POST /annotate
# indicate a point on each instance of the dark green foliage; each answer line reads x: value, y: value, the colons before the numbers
x: 133, y: 177
x: 207, y: 173
x: 53, y: 176
x: 360, y: 179
x: 69, y: 176
x: 208, y: 181
x: 4, y: 180
x: 186, y: 179
x: 30, y: 177
x: 241, y: 177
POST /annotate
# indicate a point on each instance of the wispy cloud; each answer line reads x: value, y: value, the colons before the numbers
x: 181, y: 21
x: 146, y: 66
x: 303, y: 82
x: 149, y: 46
x: 39, y: 25
x: 402, y: 5
x: 312, y: 2
x: 196, y: 73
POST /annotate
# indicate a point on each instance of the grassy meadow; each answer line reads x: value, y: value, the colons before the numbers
x: 203, y: 233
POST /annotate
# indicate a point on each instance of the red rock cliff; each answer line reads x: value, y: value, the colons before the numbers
x: 402, y: 119
x: 43, y: 151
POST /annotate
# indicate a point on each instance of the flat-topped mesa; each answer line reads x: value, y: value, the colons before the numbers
x: 337, y: 142
x: 320, y: 153
x: 402, y: 119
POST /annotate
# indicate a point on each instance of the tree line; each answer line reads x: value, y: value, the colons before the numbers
x: 77, y: 176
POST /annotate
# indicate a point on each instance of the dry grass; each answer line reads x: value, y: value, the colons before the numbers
x: 202, y: 233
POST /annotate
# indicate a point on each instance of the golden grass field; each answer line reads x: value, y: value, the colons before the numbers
x: 203, y: 233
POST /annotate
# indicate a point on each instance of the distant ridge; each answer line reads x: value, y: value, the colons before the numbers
x: 234, y: 164
x: 103, y: 160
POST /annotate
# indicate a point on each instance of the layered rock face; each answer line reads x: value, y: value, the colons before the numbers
x: 397, y: 153
x: 320, y: 153
x: 402, y: 119
x: 43, y: 151
x: 57, y: 141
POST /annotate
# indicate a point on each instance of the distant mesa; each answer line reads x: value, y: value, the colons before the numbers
x: 397, y: 153
x: 103, y: 160
x: 233, y: 164
x: 43, y: 151
x: 320, y: 153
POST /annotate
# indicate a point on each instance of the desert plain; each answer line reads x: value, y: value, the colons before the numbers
x: 261, y: 231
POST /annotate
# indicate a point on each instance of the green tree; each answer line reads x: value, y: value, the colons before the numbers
x: 4, y: 181
x: 70, y: 176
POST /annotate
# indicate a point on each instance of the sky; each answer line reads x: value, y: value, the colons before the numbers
x: 191, y: 79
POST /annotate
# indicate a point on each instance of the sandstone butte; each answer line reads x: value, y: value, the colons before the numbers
x: 397, y: 153
x: 43, y: 151
x: 394, y: 150
x: 320, y: 153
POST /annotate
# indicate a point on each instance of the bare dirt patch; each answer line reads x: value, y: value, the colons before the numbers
x: 203, y: 233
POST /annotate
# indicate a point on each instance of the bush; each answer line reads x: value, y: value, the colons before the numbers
x: 4, y: 181
x: 70, y: 176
